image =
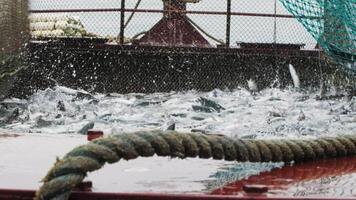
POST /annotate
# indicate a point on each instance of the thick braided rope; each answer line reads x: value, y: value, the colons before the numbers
x: 72, y: 169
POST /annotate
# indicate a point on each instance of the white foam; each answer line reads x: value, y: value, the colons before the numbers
x: 244, y: 114
x: 295, y: 77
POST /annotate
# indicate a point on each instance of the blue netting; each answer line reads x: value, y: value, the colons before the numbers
x: 332, y: 23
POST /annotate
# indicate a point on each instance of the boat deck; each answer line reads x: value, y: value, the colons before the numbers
x: 29, y: 156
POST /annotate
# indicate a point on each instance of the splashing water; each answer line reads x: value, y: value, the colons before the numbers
x: 271, y: 113
x: 238, y: 171
x: 295, y: 78
x: 252, y: 85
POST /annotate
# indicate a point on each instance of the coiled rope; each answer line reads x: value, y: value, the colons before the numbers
x: 72, y: 169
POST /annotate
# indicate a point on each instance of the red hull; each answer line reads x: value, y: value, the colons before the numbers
x: 29, y: 195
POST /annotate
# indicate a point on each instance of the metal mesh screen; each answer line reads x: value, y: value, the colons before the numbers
x: 251, y: 21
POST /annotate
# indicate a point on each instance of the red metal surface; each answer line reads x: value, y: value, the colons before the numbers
x: 174, y: 29
x: 6, y: 194
x: 94, y: 134
x: 284, y: 178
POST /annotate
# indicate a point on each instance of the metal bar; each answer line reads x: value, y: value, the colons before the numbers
x: 173, y: 11
x: 228, y: 23
x: 275, y: 40
x: 132, y: 49
x: 122, y: 21
x: 275, y: 23
x: 29, y: 195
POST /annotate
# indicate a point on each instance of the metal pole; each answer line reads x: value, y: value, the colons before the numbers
x: 276, y: 60
x: 275, y: 23
x: 228, y: 23
x: 198, y: 12
x: 122, y: 22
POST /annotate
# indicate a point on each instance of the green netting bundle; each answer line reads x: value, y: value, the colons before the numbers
x: 332, y: 23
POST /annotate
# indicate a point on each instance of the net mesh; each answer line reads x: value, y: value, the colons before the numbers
x: 13, y: 35
x: 332, y: 24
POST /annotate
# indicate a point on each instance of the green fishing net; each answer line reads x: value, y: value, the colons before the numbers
x: 333, y: 25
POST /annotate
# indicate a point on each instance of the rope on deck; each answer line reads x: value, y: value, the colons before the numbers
x: 72, y: 169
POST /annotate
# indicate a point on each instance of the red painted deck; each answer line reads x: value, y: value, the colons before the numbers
x: 313, y: 175
x: 28, y: 195
x: 268, y: 185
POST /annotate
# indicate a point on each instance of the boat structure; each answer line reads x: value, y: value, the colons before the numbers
x: 201, y: 48
x: 177, y: 99
x: 329, y: 178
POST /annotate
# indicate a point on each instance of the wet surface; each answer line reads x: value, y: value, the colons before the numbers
x: 325, y: 178
x: 28, y: 158
x: 53, y: 121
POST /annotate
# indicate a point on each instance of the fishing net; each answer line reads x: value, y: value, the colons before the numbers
x: 13, y: 29
x: 332, y: 23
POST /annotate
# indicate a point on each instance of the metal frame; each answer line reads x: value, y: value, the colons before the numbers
x: 228, y: 13
x: 163, y: 11
x: 240, y: 59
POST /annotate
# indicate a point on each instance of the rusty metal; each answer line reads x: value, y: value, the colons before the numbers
x: 174, y: 29
x: 94, y: 134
